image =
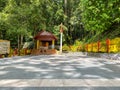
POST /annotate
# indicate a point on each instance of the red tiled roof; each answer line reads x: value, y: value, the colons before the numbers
x: 45, y: 36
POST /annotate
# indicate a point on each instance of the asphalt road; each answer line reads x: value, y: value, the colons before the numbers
x: 73, y: 71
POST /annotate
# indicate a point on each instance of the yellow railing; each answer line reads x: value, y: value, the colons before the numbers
x: 110, y: 45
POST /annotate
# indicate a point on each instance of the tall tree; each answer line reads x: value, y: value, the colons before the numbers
x: 99, y: 15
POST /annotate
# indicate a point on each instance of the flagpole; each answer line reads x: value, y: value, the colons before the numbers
x: 61, y: 32
x: 61, y: 43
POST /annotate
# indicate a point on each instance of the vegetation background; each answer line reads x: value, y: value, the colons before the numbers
x: 84, y: 20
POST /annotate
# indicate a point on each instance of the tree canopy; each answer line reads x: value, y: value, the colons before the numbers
x: 20, y: 20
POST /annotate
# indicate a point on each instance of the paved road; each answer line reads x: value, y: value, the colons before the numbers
x: 73, y: 71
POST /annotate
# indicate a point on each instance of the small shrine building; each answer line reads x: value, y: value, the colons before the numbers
x: 45, y: 39
x: 45, y: 42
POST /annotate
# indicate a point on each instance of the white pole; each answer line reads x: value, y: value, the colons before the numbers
x: 61, y: 43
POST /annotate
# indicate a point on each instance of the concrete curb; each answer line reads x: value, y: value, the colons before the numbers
x: 112, y: 56
x: 60, y: 83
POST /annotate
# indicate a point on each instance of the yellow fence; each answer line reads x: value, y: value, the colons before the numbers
x: 110, y: 45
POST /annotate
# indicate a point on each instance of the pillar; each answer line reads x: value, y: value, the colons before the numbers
x: 47, y: 44
x: 37, y: 44
x: 53, y: 44
x: 40, y: 43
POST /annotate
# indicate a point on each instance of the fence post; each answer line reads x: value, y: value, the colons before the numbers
x: 15, y: 52
x: 108, y: 45
x: 87, y: 47
x: 91, y: 47
x: 25, y: 51
x: 98, y: 45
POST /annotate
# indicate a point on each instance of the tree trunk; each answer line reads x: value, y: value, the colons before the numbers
x: 65, y: 7
x: 21, y: 42
x: 18, y: 44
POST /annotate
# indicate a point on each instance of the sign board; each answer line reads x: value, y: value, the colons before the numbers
x: 4, y: 46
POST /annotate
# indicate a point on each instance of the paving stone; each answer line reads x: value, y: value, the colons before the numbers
x: 20, y: 83
x: 51, y: 83
x: 99, y: 82
x: 115, y: 82
x: 74, y: 82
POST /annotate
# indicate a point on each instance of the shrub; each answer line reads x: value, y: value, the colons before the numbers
x: 77, y: 42
x: 65, y: 47
x: 74, y: 48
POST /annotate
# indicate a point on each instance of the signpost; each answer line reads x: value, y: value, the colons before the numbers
x: 61, y: 32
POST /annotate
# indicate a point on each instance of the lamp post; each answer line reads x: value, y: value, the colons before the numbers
x: 61, y: 32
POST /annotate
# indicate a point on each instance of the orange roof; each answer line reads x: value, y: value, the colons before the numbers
x: 45, y: 36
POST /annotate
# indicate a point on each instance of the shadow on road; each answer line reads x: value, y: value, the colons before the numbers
x: 58, y: 67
